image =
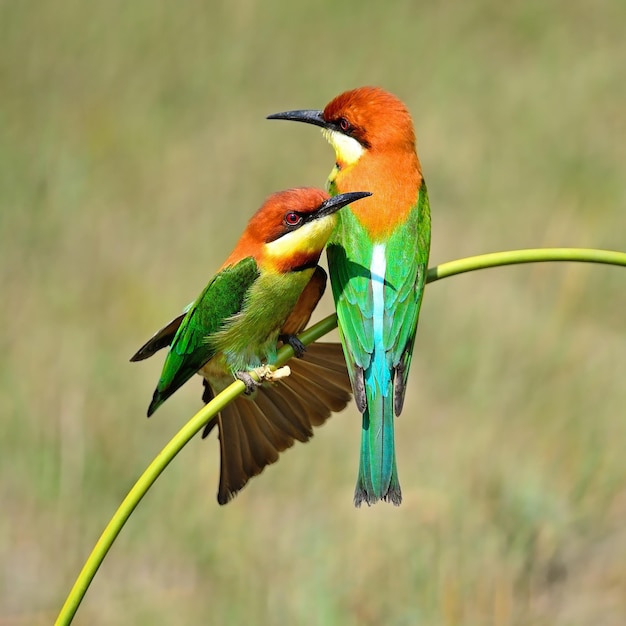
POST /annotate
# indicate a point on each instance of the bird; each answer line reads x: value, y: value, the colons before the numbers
x: 260, y: 298
x: 377, y: 261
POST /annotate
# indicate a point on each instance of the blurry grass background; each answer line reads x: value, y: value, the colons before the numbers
x: 133, y: 149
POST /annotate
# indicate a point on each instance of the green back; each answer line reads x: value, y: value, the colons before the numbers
x: 406, y: 255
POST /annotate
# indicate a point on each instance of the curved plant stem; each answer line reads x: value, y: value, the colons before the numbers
x: 532, y: 255
x: 320, y: 329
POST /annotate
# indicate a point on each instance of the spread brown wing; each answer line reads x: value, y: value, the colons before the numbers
x: 252, y: 432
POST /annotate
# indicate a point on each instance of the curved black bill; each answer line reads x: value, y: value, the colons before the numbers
x: 335, y: 203
x: 308, y: 117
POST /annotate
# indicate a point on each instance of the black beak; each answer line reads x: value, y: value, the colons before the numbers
x: 308, y: 117
x: 332, y: 205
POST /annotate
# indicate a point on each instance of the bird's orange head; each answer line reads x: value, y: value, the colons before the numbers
x: 290, y: 230
x: 372, y: 134
x: 374, y: 117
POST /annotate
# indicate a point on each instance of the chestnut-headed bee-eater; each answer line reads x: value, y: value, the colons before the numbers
x: 377, y: 258
x: 262, y: 295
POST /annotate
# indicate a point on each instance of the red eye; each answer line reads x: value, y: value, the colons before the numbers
x: 344, y: 124
x: 292, y: 218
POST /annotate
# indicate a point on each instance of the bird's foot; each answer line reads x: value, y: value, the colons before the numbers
x: 298, y: 347
x: 248, y: 381
x: 263, y: 373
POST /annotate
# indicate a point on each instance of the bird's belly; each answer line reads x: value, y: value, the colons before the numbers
x: 249, y: 339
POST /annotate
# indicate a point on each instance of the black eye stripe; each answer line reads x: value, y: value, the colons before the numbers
x: 344, y: 126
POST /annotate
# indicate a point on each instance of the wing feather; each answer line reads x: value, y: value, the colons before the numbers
x: 253, y: 431
x: 222, y: 298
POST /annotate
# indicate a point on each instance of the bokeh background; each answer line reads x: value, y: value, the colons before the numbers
x: 133, y: 149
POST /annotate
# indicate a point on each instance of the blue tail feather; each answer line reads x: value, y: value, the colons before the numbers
x: 378, y: 474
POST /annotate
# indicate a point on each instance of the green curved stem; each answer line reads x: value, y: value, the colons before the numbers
x: 320, y: 329
x: 532, y: 255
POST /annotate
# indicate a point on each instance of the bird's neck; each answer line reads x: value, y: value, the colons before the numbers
x: 300, y: 261
x: 393, y: 178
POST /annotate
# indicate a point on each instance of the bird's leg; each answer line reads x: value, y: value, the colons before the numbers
x: 298, y: 347
x: 248, y: 381
x: 263, y: 373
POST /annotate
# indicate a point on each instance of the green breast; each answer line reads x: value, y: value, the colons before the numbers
x: 249, y: 338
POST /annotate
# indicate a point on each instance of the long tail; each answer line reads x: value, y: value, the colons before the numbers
x: 378, y: 473
x: 252, y: 432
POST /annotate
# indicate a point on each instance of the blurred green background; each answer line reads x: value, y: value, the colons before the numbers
x: 133, y: 149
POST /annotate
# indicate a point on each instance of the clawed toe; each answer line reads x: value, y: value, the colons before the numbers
x: 264, y: 373
x: 298, y: 347
x: 248, y: 381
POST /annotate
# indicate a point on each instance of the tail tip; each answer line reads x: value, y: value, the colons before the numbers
x: 393, y: 495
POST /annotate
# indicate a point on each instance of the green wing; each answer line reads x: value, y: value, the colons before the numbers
x: 402, y: 304
x: 222, y: 298
x: 350, y: 282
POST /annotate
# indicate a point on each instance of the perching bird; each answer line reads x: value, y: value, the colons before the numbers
x: 377, y: 258
x: 264, y: 292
